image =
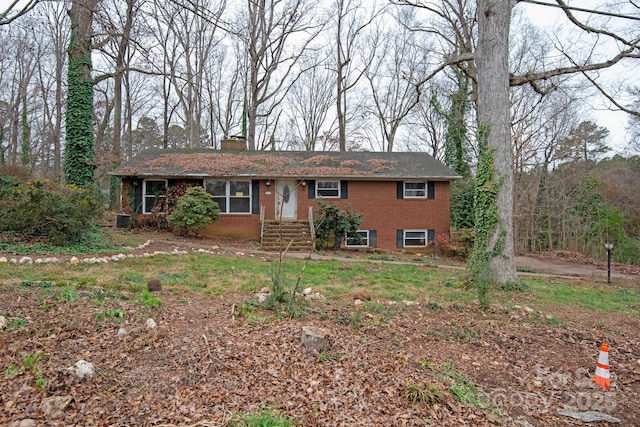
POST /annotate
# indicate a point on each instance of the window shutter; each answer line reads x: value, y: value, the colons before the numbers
x: 399, y: 238
x: 431, y: 237
x: 311, y: 185
x: 255, y: 196
x: 373, y: 239
x: 137, y: 196
x: 400, y: 190
x: 431, y: 190
x: 343, y: 189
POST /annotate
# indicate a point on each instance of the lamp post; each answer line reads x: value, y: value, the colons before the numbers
x: 608, y: 246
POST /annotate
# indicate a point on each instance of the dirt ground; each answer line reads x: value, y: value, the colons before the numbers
x: 207, y: 359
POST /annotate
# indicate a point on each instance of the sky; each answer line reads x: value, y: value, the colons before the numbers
x: 547, y: 18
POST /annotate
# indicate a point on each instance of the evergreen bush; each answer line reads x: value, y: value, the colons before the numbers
x: 335, y: 223
x: 194, y: 210
x: 62, y: 214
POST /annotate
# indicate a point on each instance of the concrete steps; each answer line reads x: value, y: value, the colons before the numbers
x: 277, y: 235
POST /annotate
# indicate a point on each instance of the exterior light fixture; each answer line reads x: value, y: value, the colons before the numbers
x: 608, y: 247
x: 303, y: 183
x: 268, y: 183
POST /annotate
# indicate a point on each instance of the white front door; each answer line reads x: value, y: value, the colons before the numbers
x: 286, y: 200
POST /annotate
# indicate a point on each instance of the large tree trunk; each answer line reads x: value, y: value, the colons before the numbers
x: 80, y: 142
x: 492, y: 62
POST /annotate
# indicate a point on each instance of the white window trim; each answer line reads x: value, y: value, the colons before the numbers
x: 404, y: 189
x: 404, y: 238
x: 328, y: 197
x: 228, y: 196
x: 362, y: 245
x: 144, y: 194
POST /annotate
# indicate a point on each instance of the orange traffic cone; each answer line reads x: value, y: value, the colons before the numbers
x: 602, y: 376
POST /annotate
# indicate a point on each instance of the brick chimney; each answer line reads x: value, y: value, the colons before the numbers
x: 234, y: 143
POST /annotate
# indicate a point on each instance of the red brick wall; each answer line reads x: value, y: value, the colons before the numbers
x: 375, y: 200
x: 382, y: 211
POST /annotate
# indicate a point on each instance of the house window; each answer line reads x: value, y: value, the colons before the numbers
x: 415, y: 189
x: 328, y: 189
x: 359, y: 240
x: 231, y: 196
x: 415, y: 238
x: 154, y: 195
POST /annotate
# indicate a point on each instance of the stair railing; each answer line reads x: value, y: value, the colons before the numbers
x: 261, y: 223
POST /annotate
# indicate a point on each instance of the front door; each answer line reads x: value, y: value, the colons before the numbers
x: 286, y: 200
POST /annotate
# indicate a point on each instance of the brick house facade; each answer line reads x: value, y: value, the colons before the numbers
x: 403, y: 197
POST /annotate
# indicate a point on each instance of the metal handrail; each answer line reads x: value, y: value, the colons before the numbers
x: 261, y: 223
x: 312, y: 227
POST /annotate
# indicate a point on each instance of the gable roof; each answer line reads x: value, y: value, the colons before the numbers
x: 204, y: 163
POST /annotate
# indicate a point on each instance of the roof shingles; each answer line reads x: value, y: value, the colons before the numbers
x: 274, y: 164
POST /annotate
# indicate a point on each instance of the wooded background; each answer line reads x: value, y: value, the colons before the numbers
x: 339, y: 75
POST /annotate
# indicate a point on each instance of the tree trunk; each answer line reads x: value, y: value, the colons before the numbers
x: 492, y: 62
x: 80, y: 144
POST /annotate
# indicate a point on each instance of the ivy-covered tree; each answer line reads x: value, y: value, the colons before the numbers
x: 80, y: 143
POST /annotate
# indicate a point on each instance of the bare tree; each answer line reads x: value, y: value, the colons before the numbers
x: 275, y: 33
x: 311, y: 98
x: 351, y: 19
x: 396, y: 76
x: 15, y: 9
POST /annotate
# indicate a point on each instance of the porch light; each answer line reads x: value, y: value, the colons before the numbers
x: 303, y: 183
x: 268, y: 183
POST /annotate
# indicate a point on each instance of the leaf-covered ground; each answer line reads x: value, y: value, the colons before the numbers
x: 214, y: 357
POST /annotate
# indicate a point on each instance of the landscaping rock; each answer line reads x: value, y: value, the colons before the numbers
x: 361, y: 294
x: 25, y: 260
x: 3, y: 322
x: 122, y: 332
x: 54, y: 406
x: 589, y: 416
x: 74, y: 261
x: 151, y: 324
x: 3, y: 259
x: 83, y: 369
x: 314, y: 339
x: 27, y: 422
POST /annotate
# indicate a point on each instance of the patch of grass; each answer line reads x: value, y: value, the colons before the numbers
x: 381, y: 257
x: 265, y: 418
x: 433, y: 306
x: 148, y: 299
x: 68, y: 294
x: 556, y: 323
x: 40, y: 284
x: 329, y: 357
x: 11, y: 369
x: 464, y: 335
x: 427, y: 393
x: 463, y: 389
x: 592, y: 296
x: 515, y: 287
x: 116, y: 315
x: 16, y: 322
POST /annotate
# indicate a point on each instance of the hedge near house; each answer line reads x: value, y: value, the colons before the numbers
x: 194, y: 211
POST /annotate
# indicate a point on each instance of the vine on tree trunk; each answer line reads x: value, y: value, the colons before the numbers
x: 79, y: 163
x: 486, y: 245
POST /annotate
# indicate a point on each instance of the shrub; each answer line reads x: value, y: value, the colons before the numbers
x: 334, y: 222
x: 194, y: 211
x: 62, y: 214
